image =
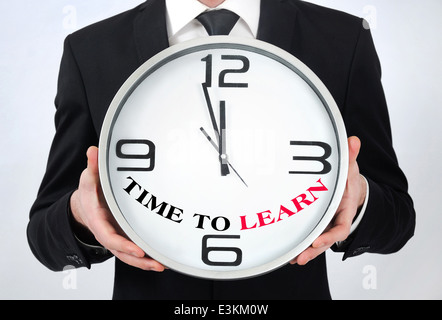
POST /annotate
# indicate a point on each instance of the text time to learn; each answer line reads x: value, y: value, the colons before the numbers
x: 247, y: 222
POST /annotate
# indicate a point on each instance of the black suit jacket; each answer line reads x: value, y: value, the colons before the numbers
x: 98, y: 59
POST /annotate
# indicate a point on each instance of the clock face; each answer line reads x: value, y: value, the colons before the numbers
x: 223, y: 158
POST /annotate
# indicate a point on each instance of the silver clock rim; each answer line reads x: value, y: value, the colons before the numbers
x: 252, y: 45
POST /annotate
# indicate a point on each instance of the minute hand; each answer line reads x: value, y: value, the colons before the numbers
x: 211, y: 113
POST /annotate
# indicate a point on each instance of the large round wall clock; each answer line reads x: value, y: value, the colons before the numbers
x: 223, y: 158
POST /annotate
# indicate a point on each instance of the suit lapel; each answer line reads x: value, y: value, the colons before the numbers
x: 277, y: 23
x: 150, y: 29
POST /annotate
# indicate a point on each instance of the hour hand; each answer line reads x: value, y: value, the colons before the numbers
x: 222, y: 140
x: 217, y: 150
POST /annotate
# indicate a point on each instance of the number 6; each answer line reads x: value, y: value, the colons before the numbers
x: 206, y: 250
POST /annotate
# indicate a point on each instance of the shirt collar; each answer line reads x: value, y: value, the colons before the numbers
x: 181, y: 12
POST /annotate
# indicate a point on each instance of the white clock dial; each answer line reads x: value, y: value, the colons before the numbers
x: 223, y: 158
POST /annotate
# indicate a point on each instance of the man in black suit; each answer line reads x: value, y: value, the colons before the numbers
x: 70, y: 223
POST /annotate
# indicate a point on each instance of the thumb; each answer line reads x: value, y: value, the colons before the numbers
x: 92, y: 160
x: 354, y: 146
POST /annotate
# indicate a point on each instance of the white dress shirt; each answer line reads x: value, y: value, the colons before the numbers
x: 182, y: 26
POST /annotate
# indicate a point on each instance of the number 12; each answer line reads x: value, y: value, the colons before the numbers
x: 222, y: 75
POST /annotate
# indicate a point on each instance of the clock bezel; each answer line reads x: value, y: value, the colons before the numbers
x: 250, y: 45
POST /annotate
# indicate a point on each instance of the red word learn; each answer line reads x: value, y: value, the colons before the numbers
x: 266, y: 218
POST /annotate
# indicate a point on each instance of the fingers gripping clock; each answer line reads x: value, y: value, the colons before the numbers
x: 223, y: 158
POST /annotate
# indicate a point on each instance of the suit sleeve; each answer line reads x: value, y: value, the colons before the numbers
x: 49, y: 231
x: 389, y: 220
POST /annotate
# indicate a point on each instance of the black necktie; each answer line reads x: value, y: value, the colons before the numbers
x: 218, y: 22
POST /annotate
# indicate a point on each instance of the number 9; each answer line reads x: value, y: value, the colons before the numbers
x: 150, y: 155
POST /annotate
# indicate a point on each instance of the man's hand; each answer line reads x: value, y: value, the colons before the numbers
x: 354, y: 197
x: 89, y: 208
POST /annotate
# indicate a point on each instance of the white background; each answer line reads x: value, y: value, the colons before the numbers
x: 407, y: 37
